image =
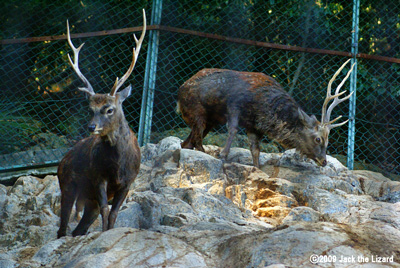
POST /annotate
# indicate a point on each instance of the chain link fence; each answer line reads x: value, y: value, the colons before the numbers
x: 299, y: 43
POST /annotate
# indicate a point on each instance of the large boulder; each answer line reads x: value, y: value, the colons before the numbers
x: 190, y: 209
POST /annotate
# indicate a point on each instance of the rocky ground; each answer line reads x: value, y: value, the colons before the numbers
x: 190, y: 209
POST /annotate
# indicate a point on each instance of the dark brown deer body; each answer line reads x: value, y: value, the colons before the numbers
x: 101, y: 167
x: 257, y: 103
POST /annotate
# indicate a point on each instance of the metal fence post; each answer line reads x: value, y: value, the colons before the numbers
x: 146, y: 112
x: 353, y: 86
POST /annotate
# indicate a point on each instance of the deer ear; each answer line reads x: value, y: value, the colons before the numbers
x: 310, y: 121
x: 125, y: 93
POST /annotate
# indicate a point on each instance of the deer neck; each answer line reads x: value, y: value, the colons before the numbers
x: 288, y: 136
x: 120, y: 134
x: 285, y: 130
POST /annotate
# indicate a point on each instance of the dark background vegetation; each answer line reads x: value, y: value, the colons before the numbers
x: 41, y: 108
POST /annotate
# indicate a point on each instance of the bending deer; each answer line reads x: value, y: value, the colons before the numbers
x: 259, y: 104
x: 103, y: 166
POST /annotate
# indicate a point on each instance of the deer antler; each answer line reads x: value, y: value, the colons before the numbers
x: 326, y: 114
x: 118, y: 82
x: 88, y: 87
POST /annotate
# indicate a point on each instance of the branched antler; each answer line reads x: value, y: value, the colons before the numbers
x: 326, y: 113
x: 118, y: 82
x: 88, y: 87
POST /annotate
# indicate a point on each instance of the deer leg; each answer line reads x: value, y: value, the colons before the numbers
x: 198, y: 130
x: 207, y: 129
x: 187, y: 144
x: 103, y: 203
x: 119, y: 197
x: 68, y: 197
x: 254, y: 140
x: 90, y: 214
x: 233, y: 123
x: 195, y: 139
x: 197, y: 123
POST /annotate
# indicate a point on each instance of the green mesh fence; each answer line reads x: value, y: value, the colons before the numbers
x: 43, y: 114
x: 41, y: 111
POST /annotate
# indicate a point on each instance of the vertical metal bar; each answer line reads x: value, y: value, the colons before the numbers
x: 146, y: 112
x: 353, y: 86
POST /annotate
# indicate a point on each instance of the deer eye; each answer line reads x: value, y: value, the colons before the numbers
x: 110, y: 111
x: 318, y: 140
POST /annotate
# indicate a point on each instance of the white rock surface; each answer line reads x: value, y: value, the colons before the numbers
x: 190, y: 209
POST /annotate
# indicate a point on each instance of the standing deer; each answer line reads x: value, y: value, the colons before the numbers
x: 259, y: 104
x: 103, y: 166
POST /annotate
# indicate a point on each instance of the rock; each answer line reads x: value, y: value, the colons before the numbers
x: 378, y: 186
x: 122, y: 247
x: 301, y: 214
x: 6, y: 261
x: 200, y: 167
x: 130, y: 216
x: 190, y: 209
x: 148, y: 152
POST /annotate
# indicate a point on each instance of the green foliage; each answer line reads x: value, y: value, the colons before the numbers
x: 16, y: 129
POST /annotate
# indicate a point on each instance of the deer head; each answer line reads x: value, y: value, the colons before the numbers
x: 107, y: 108
x: 316, y: 133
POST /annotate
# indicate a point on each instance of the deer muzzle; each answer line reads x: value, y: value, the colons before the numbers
x: 94, y: 129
